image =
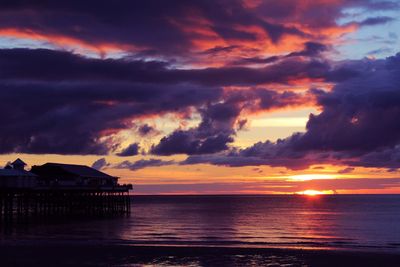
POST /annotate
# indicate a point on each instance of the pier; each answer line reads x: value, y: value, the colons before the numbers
x: 59, y: 190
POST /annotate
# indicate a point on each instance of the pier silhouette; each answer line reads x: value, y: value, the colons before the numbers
x: 56, y: 189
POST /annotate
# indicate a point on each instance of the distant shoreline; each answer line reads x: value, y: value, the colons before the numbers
x: 90, y: 254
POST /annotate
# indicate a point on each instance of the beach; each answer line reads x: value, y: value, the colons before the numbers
x: 121, y: 255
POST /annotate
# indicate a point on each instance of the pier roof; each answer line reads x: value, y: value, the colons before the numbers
x: 18, y: 161
x: 79, y: 170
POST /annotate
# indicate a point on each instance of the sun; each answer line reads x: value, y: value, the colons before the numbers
x: 311, y: 192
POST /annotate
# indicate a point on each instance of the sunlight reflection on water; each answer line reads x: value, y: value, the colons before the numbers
x: 334, y: 221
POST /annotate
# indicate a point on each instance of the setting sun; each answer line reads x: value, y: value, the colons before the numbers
x: 311, y: 192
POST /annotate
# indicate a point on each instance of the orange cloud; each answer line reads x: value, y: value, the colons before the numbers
x: 64, y: 41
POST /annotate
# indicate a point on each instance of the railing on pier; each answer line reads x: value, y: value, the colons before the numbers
x: 24, y: 203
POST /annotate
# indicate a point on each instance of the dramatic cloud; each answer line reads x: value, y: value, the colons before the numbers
x: 279, y: 154
x: 56, y: 66
x: 79, y: 103
x: 80, y: 118
x: 381, y: 158
x: 100, y: 164
x: 131, y: 150
x: 143, y: 163
x: 51, y: 111
x: 357, y: 126
x: 212, y: 135
x: 183, y: 30
x: 187, y: 142
x: 360, y: 113
x: 153, y: 27
x: 217, y: 127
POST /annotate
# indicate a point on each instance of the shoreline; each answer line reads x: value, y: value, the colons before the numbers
x: 81, y: 254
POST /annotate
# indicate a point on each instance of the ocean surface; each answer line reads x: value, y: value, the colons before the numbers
x: 359, y: 222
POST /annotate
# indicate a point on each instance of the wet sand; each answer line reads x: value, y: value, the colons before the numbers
x: 124, y: 255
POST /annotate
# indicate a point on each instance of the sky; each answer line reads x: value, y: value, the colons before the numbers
x: 206, y: 97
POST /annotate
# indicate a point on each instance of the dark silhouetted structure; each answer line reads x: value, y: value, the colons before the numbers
x: 59, y: 189
x: 68, y: 175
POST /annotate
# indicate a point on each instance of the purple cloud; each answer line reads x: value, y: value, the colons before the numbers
x: 143, y: 163
x: 100, y: 164
x: 131, y: 150
x: 357, y: 126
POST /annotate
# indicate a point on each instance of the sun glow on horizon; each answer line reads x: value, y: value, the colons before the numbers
x: 308, y: 177
x: 311, y: 192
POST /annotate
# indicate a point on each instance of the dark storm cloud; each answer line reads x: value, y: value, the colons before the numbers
x: 49, y: 65
x: 75, y: 102
x: 165, y: 28
x: 381, y: 158
x: 151, y: 24
x: 100, y: 22
x: 189, y: 142
x: 78, y: 102
x: 358, y: 126
x: 359, y: 114
x: 275, y: 154
x: 212, y: 135
x: 52, y: 65
x: 217, y: 128
x: 131, y: 150
x: 281, y: 72
x: 311, y: 49
x: 71, y: 118
x: 57, y: 102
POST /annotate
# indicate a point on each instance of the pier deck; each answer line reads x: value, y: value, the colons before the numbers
x: 17, y: 203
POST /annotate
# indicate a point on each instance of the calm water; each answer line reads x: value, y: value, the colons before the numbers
x: 338, y: 221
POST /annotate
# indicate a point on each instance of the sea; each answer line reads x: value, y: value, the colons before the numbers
x: 348, y: 222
